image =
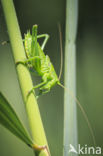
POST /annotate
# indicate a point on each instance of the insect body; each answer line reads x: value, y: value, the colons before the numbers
x: 40, y: 62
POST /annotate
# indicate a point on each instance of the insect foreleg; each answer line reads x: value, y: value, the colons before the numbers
x: 32, y: 59
x: 28, y: 60
x: 46, y: 36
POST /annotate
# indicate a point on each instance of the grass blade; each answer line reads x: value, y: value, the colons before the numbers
x: 10, y: 120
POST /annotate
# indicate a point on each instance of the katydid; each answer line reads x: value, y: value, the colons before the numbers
x: 40, y: 62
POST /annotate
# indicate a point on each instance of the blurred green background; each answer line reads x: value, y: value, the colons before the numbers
x: 47, y: 14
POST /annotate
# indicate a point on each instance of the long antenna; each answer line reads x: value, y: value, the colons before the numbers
x: 61, y: 51
x: 77, y: 101
x: 82, y: 110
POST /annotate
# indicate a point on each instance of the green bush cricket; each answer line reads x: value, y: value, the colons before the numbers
x: 40, y: 62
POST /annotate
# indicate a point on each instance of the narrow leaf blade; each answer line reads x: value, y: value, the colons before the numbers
x: 10, y: 120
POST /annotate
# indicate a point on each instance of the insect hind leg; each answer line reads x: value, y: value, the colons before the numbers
x: 44, y: 81
x: 41, y: 92
x: 37, y: 86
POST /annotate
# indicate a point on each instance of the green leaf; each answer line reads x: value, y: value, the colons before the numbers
x: 10, y: 120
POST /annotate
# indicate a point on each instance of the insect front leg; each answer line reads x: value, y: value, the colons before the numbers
x: 46, y: 36
x: 25, y: 62
x: 32, y: 59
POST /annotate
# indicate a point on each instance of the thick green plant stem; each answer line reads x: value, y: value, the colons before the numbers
x: 70, y: 118
x: 25, y: 81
